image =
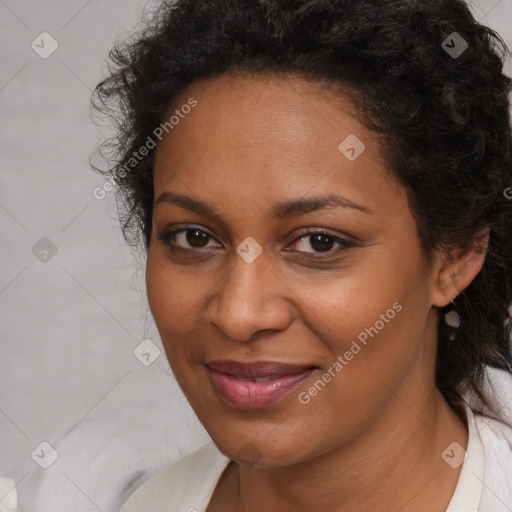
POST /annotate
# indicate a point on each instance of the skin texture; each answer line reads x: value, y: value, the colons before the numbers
x: 373, y: 437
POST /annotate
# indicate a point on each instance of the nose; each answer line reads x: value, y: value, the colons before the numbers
x: 250, y: 298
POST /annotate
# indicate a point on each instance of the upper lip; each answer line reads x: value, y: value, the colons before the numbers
x: 257, y: 369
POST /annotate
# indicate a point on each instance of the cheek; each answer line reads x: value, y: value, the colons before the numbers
x: 339, y: 307
x: 374, y: 317
x: 173, y: 298
x: 356, y: 328
x: 174, y: 291
x: 369, y: 343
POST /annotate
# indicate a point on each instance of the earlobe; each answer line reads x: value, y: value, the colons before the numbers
x: 457, y: 271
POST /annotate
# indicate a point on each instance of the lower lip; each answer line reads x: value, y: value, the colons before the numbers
x: 254, y: 395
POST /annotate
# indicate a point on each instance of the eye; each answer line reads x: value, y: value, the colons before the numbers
x: 321, y: 242
x: 186, y: 239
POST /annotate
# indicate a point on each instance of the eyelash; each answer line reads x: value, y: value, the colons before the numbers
x: 168, y: 239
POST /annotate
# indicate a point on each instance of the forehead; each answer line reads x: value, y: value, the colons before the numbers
x: 288, y: 108
x: 280, y: 137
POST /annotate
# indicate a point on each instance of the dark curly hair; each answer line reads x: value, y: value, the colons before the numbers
x: 444, y: 117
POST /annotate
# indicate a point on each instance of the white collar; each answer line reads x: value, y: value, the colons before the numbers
x: 468, y: 492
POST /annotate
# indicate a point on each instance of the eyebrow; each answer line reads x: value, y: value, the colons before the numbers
x: 279, y: 211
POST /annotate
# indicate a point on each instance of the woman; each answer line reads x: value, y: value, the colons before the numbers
x: 321, y: 188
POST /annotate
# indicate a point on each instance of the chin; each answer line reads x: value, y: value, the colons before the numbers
x: 259, y: 451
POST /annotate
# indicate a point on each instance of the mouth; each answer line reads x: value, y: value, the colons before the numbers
x: 258, y: 384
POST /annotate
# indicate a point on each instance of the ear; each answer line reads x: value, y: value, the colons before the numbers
x: 457, y: 269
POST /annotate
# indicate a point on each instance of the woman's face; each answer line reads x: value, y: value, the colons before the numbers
x: 249, y: 171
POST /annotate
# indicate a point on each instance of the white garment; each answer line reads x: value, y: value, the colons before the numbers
x: 484, y: 485
x: 8, y: 495
x: 134, y: 432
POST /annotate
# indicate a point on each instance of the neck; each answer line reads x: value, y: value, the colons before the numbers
x: 394, y: 465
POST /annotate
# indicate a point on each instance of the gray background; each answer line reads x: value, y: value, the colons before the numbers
x: 69, y: 325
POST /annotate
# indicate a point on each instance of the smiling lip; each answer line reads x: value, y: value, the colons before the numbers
x: 258, y: 384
